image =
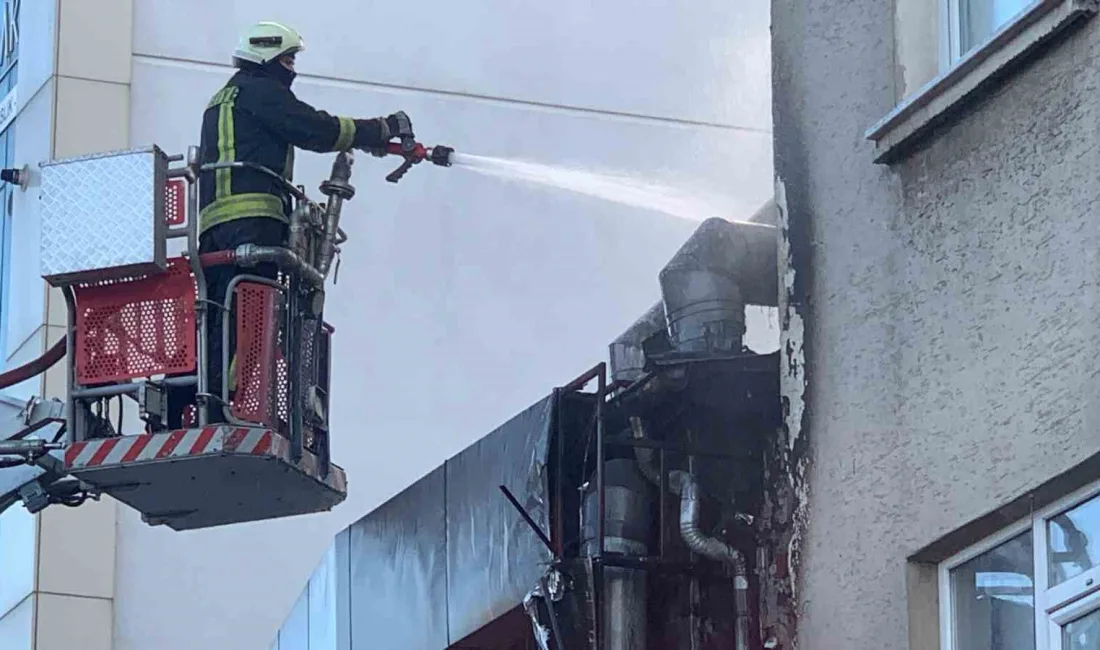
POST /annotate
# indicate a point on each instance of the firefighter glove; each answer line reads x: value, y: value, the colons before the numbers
x: 399, y: 125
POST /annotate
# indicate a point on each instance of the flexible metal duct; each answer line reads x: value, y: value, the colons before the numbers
x: 626, y: 531
x: 684, y: 485
x: 722, y: 267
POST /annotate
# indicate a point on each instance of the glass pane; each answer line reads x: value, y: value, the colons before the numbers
x: 994, y: 598
x: 294, y: 635
x: 322, y: 604
x: 18, y: 537
x: 1074, y: 542
x: 981, y: 19
x: 17, y: 627
x: 1082, y: 634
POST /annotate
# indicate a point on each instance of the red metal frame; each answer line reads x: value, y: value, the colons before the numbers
x: 136, y: 328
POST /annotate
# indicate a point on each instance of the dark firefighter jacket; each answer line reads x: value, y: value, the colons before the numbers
x: 256, y: 118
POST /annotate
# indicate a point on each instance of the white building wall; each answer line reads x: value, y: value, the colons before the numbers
x: 22, y: 299
x: 460, y: 300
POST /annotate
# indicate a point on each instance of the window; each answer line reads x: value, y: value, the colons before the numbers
x: 946, y: 50
x: 993, y: 598
x: 973, y: 22
x: 1034, y: 586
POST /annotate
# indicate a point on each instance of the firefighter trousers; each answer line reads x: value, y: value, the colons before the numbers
x: 261, y: 231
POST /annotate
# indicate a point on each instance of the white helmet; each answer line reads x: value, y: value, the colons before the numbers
x: 267, y: 41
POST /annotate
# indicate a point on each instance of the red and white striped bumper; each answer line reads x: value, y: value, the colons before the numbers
x: 197, y: 478
x: 174, y: 444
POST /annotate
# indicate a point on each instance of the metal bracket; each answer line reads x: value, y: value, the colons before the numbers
x: 152, y: 402
x: 34, y: 497
x: 30, y: 481
x: 36, y: 414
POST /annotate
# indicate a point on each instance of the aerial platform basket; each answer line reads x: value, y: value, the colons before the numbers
x: 137, y: 331
x: 198, y: 478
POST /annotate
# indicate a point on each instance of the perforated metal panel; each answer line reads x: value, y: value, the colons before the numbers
x: 257, y: 328
x: 175, y: 202
x: 136, y: 328
x: 103, y: 216
x: 282, y: 375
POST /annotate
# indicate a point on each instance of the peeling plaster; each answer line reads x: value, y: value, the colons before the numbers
x: 793, y: 330
x: 786, y: 495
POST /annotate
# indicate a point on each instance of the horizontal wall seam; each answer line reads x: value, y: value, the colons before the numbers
x: 96, y: 81
x: 80, y: 596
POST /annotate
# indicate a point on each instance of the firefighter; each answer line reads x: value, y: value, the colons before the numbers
x: 257, y: 118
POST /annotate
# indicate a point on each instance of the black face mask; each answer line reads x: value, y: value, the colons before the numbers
x: 280, y: 72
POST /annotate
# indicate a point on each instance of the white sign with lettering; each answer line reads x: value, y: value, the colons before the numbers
x: 9, y: 40
x: 9, y: 106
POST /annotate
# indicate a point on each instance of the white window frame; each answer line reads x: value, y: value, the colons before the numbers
x: 951, y: 29
x: 1054, y: 607
x: 961, y: 75
x: 1068, y: 614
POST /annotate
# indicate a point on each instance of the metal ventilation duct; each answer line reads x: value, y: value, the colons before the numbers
x: 721, y: 268
x: 626, y: 530
x: 706, y: 285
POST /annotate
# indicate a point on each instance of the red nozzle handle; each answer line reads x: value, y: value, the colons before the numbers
x: 418, y: 153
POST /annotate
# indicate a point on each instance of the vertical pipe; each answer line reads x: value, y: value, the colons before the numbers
x: 600, y: 453
x: 201, y: 351
x: 558, y: 524
x: 597, y: 601
x: 695, y: 594
x: 293, y: 357
x: 621, y: 589
x: 558, y: 639
x: 600, y: 507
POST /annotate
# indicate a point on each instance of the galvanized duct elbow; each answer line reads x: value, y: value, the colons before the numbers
x: 627, y: 357
x: 709, y: 547
x: 721, y: 268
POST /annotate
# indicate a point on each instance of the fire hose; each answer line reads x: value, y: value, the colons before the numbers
x: 33, y: 367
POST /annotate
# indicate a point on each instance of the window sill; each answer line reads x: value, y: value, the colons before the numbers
x: 894, y: 133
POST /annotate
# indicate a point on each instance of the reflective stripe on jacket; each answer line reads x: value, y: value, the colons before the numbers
x: 256, y: 118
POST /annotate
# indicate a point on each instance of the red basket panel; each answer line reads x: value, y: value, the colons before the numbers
x: 175, y: 203
x: 257, y: 337
x: 136, y: 328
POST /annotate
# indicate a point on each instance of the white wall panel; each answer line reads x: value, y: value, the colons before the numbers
x: 704, y: 60
x: 33, y: 144
x: 18, y: 541
x: 37, y: 46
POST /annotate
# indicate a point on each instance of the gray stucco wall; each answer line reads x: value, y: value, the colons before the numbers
x: 949, y: 300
